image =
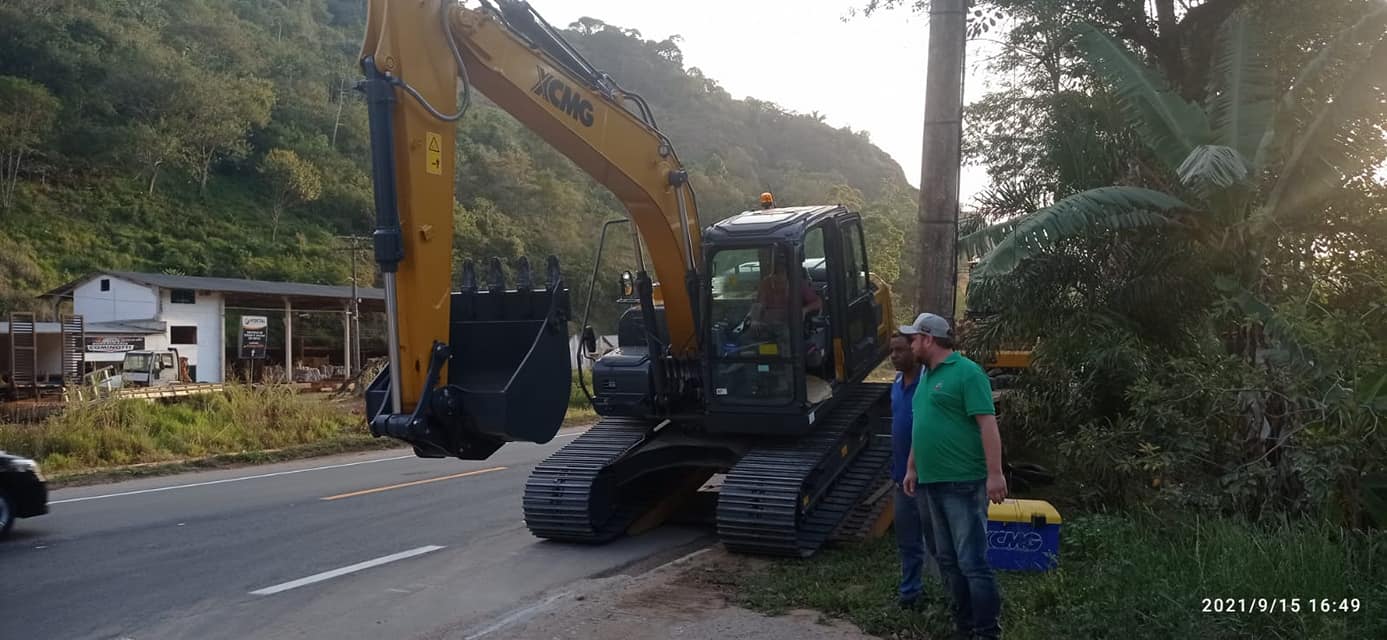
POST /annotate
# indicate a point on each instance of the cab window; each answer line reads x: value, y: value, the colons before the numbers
x: 855, y: 260
x: 815, y: 256
x: 750, y: 303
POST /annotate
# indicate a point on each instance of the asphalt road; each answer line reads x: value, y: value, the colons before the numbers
x: 374, y: 545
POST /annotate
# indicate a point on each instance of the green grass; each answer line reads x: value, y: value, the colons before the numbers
x: 336, y: 445
x: 244, y: 425
x: 126, y: 432
x: 1119, y: 577
x: 579, y: 409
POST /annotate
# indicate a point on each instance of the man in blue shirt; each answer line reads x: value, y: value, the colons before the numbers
x: 914, y: 535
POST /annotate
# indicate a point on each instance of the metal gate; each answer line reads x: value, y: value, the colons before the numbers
x: 23, y: 355
x: 74, y: 350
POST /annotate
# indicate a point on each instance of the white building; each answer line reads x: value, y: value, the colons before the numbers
x: 127, y: 311
x: 188, y: 320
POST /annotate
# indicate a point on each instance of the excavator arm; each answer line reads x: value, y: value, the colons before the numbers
x: 415, y: 56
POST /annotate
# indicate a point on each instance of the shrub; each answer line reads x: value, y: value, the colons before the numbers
x: 119, y: 432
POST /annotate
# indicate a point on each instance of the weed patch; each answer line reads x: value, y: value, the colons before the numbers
x: 125, y: 432
x: 1129, y: 577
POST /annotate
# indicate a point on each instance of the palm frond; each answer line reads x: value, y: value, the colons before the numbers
x: 1325, y: 154
x: 1213, y: 168
x: 1170, y: 125
x: 978, y: 243
x: 1008, y: 198
x: 1241, y: 88
x: 1102, y: 209
x: 1374, y: 391
x: 1008, y: 201
x: 1352, y: 41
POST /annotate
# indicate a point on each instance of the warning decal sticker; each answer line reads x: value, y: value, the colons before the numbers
x: 434, y: 156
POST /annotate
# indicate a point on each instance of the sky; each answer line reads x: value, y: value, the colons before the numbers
x: 865, y: 73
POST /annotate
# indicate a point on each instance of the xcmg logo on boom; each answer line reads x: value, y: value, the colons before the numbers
x: 563, y: 97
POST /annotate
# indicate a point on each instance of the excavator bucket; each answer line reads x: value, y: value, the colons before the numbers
x: 508, y: 369
x: 510, y: 355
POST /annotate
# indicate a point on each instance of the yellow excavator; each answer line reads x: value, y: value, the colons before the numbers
x: 745, y: 354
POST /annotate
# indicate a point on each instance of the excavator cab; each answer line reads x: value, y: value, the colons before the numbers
x: 791, y: 316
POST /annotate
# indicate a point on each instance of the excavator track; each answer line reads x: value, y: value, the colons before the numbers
x: 859, y: 523
x: 568, y: 497
x: 768, y: 502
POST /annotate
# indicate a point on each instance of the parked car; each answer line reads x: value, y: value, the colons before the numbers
x: 23, y: 491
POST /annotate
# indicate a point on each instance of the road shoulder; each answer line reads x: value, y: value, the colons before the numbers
x: 688, y: 599
x: 327, y: 450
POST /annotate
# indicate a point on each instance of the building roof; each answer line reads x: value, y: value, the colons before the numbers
x: 232, y: 285
x: 245, y: 293
x: 146, y: 327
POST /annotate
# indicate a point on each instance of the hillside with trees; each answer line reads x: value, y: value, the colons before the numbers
x: 225, y: 138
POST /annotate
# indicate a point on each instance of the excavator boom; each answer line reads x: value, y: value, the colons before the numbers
x: 512, y: 57
x: 415, y: 55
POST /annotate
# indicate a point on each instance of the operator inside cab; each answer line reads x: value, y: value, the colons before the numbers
x: 773, y: 293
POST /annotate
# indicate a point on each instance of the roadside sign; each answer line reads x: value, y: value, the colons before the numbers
x: 113, y: 344
x: 255, y: 339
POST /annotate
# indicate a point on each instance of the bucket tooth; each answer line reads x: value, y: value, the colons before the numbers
x: 524, y: 279
x: 469, y: 277
x: 496, y: 276
x: 552, y: 273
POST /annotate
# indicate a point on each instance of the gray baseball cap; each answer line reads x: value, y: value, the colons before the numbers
x: 928, y: 324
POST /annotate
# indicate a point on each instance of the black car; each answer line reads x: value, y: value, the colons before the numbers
x: 23, y: 493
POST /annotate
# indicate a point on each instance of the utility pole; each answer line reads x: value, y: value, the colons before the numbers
x: 355, y: 249
x: 939, y: 171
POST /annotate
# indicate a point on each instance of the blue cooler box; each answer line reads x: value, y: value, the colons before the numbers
x: 1022, y: 535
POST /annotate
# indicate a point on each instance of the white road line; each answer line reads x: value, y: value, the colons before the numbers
x: 224, y: 481
x: 515, y: 616
x: 255, y: 477
x: 327, y: 575
x: 529, y: 610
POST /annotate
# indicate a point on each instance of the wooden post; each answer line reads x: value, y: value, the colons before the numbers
x: 347, y: 339
x: 939, y: 172
x: 288, y: 341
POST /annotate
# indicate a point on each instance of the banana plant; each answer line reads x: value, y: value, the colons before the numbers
x: 1247, y: 161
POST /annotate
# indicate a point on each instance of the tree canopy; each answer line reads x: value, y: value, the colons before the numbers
x: 165, y: 116
x: 1185, y: 223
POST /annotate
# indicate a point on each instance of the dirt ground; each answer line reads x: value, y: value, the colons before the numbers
x: 684, y: 600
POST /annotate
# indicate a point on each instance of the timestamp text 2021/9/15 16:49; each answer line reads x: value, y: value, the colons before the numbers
x: 1282, y: 605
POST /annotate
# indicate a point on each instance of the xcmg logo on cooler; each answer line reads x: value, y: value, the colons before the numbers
x: 1026, y: 541
x: 563, y: 97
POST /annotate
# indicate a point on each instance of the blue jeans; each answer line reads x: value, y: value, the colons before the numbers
x: 915, y: 539
x: 958, y: 511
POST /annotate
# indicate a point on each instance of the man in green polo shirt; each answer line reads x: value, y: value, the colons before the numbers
x: 956, y: 459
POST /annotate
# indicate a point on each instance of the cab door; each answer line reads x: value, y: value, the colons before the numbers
x: 167, y: 369
x: 860, y: 341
